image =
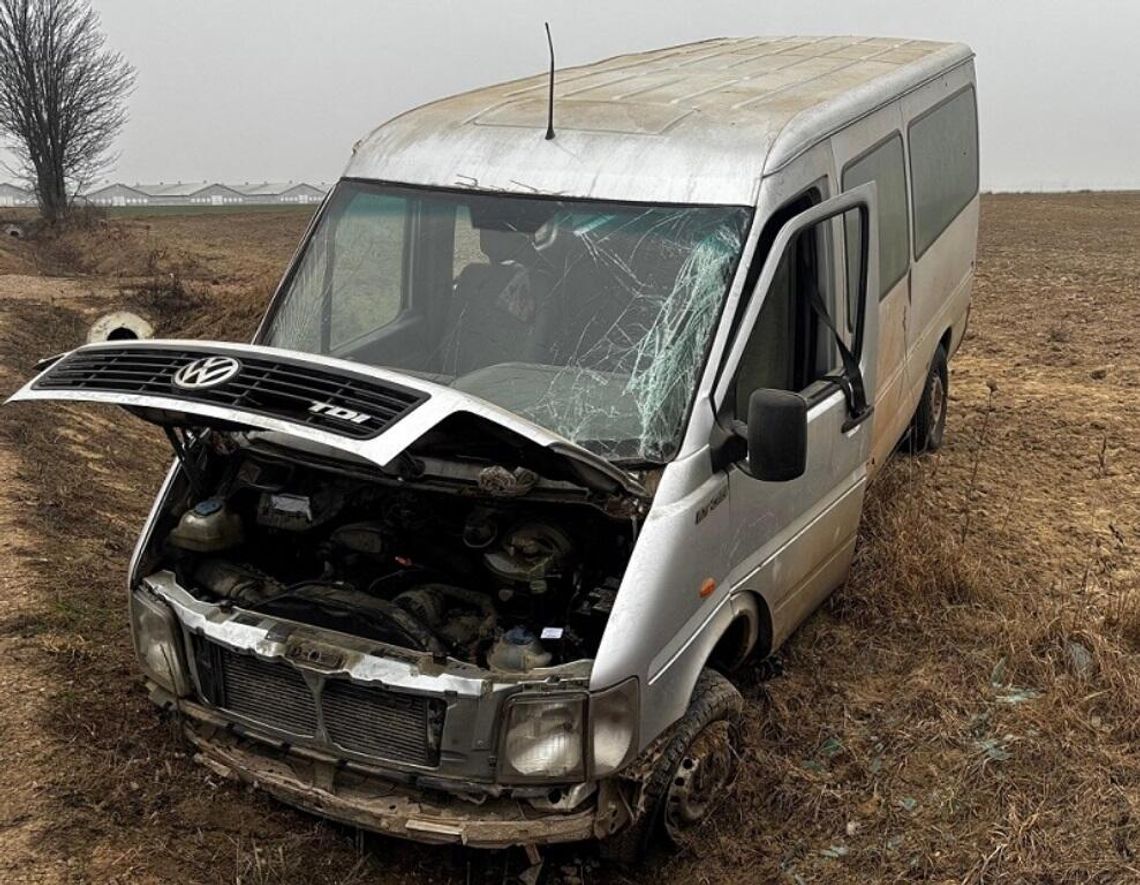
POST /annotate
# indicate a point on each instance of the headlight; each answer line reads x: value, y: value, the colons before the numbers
x: 613, y: 728
x: 543, y: 739
x: 156, y: 642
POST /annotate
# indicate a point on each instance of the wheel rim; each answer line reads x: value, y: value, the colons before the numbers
x: 937, y: 408
x: 700, y: 781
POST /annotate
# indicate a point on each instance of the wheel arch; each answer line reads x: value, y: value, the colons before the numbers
x: 741, y: 626
x: 747, y: 634
x: 946, y: 340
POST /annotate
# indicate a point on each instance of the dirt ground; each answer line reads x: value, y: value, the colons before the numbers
x: 966, y: 709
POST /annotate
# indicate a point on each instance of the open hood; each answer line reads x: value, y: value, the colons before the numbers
x: 371, y: 413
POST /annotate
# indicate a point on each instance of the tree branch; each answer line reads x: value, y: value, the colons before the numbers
x: 62, y: 96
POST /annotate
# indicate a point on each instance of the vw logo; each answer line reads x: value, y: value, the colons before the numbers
x: 209, y: 371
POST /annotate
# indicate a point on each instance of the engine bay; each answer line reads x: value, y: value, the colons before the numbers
x: 489, y: 579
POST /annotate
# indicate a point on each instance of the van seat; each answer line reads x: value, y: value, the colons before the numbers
x: 494, y: 311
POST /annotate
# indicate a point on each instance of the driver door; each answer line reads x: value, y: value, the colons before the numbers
x: 792, y: 540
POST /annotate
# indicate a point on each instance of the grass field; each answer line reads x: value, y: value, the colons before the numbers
x: 965, y: 709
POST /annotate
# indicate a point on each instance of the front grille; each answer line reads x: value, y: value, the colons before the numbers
x: 271, y: 693
x: 276, y: 387
x: 261, y: 691
x: 357, y: 718
x: 376, y: 722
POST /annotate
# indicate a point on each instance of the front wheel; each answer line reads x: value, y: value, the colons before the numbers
x: 928, y: 427
x: 691, y: 776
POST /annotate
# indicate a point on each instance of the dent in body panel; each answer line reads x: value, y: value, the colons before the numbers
x: 642, y: 168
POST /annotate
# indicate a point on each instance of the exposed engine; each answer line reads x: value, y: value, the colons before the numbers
x: 511, y: 585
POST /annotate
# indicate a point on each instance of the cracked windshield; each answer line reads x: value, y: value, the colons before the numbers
x: 590, y: 319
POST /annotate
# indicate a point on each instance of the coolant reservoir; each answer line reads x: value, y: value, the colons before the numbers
x: 517, y: 651
x: 207, y: 527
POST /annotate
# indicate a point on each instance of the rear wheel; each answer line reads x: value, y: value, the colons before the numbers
x: 928, y: 427
x: 692, y: 775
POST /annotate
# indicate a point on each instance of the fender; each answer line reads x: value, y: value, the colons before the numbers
x: 668, y: 690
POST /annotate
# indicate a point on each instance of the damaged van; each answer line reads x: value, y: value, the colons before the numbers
x: 540, y: 439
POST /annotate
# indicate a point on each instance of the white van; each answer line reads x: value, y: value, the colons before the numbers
x: 541, y: 438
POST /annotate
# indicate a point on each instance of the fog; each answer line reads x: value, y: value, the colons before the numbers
x: 279, y: 90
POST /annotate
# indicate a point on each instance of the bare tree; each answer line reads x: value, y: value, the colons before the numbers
x: 62, y: 96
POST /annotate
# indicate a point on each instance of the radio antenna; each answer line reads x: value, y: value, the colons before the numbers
x: 550, y: 101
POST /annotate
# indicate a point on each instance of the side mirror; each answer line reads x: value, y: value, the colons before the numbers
x: 777, y: 435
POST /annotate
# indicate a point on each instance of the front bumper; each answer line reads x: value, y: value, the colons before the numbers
x: 259, y: 735
x: 370, y: 803
x: 288, y: 668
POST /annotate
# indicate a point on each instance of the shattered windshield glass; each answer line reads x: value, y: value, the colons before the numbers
x: 590, y: 319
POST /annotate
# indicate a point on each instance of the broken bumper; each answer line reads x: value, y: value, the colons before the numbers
x: 392, y: 809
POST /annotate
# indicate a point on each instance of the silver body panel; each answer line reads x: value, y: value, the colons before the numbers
x: 743, y: 122
x: 701, y: 123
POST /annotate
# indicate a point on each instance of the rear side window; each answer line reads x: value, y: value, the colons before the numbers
x: 884, y: 165
x: 943, y: 165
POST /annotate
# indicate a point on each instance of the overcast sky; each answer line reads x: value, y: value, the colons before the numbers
x: 280, y: 89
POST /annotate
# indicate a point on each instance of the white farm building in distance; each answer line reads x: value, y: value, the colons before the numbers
x: 193, y: 193
x: 14, y: 195
x: 203, y: 193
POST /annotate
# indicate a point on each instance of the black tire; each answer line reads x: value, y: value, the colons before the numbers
x: 713, y: 714
x: 928, y: 427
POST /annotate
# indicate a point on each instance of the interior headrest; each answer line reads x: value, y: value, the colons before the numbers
x: 501, y: 245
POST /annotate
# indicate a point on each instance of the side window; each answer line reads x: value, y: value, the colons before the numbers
x: 943, y: 165
x: 883, y: 165
x: 368, y: 242
x: 789, y: 347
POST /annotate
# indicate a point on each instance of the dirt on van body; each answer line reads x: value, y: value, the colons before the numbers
x: 966, y: 708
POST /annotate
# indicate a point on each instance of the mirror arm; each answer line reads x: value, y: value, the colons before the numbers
x: 728, y: 445
x: 740, y: 442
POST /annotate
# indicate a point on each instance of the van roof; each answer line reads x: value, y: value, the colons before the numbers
x: 698, y: 123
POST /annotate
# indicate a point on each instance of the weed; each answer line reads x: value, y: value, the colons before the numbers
x: 1124, y: 616
x: 971, y: 488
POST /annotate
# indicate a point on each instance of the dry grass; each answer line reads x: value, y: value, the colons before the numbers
x: 942, y: 718
x: 966, y: 709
